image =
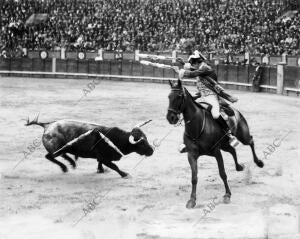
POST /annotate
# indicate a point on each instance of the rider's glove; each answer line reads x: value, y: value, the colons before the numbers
x: 187, y: 66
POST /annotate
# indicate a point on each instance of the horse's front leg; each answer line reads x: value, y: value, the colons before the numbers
x: 192, y: 157
x: 219, y: 158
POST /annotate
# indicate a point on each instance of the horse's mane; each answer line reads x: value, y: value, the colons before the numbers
x: 193, y: 100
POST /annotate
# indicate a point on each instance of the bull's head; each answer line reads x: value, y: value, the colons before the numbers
x: 139, y: 140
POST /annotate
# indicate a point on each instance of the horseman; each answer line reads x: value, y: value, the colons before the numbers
x: 209, y: 91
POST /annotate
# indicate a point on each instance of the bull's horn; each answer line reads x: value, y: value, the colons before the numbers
x: 132, y: 141
x: 143, y: 123
x: 37, y: 117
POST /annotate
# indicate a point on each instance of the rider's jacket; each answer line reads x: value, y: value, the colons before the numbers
x: 207, y: 81
x: 204, y: 71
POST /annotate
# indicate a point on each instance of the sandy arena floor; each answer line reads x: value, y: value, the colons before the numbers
x: 39, y: 201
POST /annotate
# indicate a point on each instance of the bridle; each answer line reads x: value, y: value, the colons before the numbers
x: 182, y: 96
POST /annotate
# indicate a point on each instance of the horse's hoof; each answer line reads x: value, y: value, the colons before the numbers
x: 191, y: 204
x: 259, y: 163
x: 226, y: 198
x: 127, y: 176
x: 240, y: 167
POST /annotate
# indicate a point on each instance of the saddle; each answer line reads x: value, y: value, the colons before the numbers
x: 224, y: 106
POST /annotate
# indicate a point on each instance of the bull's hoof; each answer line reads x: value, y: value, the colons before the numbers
x: 259, y: 163
x: 226, y: 198
x: 127, y: 176
x: 191, y: 203
x: 100, y: 170
x: 74, y: 166
x: 239, y: 167
x: 64, y: 169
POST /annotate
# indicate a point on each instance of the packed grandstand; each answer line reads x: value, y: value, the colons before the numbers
x: 235, y: 26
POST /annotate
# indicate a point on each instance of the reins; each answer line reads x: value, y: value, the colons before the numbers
x: 183, y: 96
x: 201, y: 131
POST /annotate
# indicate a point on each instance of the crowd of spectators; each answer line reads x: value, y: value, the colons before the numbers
x: 223, y: 26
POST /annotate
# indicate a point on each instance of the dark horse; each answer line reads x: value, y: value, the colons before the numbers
x: 203, y: 136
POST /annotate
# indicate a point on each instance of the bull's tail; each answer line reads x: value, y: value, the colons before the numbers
x: 35, y: 121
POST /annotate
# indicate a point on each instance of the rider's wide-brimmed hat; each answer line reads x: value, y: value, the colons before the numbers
x: 197, y: 55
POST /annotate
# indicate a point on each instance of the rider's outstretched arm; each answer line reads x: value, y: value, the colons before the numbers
x: 210, y: 73
x: 195, y: 73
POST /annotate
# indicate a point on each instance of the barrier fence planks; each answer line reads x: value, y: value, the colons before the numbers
x: 115, y: 68
x: 232, y: 76
x: 222, y: 72
x: 93, y: 67
x: 168, y: 73
x: 83, y: 67
x: 158, y: 72
x: 232, y: 73
x: 292, y: 77
x: 110, y: 55
x: 27, y: 64
x: 148, y: 70
x: 37, y: 65
x: 127, y: 68
x: 16, y: 64
x: 62, y: 66
x: 137, y: 69
x: 273, y: 75
x: 105, y: 67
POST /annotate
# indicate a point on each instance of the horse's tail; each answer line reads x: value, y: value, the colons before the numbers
x: 243, y: 135
x: 242, y: 131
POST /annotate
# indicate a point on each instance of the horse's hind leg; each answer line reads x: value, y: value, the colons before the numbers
x: 243, y: 135
x: 232, y: 151
x: 69, y: 159
x: 258, y: 162
x: 52, y: 159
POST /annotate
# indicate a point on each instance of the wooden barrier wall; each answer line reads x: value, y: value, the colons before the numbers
x: 232, y: 76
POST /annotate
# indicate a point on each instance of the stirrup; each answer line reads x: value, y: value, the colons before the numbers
x: 233, y: 141
x: 182, y: 148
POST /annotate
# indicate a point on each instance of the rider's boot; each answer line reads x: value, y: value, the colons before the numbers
x: 232, y: 139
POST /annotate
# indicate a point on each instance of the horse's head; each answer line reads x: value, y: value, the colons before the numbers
x: 176, y: 102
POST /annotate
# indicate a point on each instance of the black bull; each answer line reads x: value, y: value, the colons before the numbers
x: 58, y: 134
x: 203, y: 136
